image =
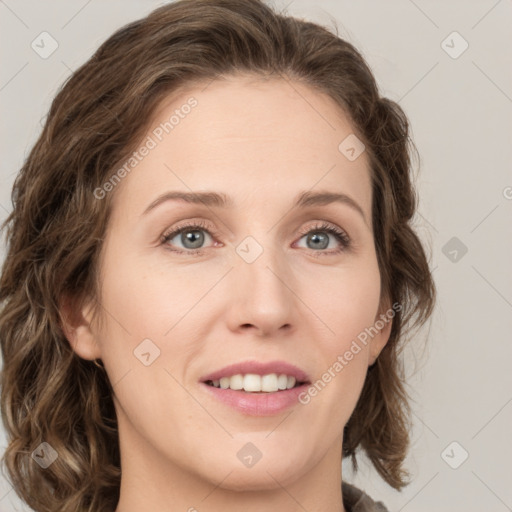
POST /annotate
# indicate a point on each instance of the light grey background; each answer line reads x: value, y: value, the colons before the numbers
x: 461, y: 115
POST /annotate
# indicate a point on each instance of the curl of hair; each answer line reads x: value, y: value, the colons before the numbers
x: 55, y: 231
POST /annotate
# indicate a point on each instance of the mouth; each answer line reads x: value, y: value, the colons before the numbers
x: 256, y: 388
x: 257, y: 377
x: 259, y: 384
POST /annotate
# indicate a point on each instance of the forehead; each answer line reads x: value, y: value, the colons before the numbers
x: 247, y: 137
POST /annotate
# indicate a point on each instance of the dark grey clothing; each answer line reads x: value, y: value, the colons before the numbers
x: 356, y: 500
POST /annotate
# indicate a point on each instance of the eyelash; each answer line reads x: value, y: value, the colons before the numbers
x: 340, y: 235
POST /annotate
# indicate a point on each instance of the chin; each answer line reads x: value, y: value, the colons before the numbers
x: 253, y: 479
x: 268, y: 473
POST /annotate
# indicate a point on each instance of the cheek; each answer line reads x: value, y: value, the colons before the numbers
x: 347, y: 300
x: 347, y: 303
x: 348, y: 309
x: 146, y: 299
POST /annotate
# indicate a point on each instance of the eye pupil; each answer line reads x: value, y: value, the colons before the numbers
x: 316, y: 237
x: 195, y: 236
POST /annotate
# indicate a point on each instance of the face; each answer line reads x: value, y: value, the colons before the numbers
x: 272, y: 280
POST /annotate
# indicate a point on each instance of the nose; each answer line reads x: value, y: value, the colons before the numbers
x: 262, y: 297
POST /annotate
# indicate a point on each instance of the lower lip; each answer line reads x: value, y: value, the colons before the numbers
x: 257, y: 404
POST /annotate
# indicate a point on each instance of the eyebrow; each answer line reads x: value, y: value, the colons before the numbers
x: 220, y: 200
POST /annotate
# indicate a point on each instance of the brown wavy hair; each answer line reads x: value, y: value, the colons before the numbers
x: 55, y: 231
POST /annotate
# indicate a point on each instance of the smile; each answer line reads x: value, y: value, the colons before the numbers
x: 253, y: 383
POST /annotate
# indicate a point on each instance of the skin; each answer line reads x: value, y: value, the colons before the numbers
x: 262, y: 143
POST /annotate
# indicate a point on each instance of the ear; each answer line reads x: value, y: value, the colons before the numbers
x: 75, y: 322
x: 383, y: 323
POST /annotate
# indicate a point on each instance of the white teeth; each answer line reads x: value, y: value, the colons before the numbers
x: 253, y: 383
x: 282, y: 381
x: 269, y: 383
x: 236, y: 382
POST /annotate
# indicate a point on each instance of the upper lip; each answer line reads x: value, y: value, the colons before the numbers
x: 258, y: 368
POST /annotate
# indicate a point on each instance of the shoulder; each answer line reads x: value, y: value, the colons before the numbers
x: 356, y: 500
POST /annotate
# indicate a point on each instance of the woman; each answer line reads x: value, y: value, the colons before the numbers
x: 209, y: 274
